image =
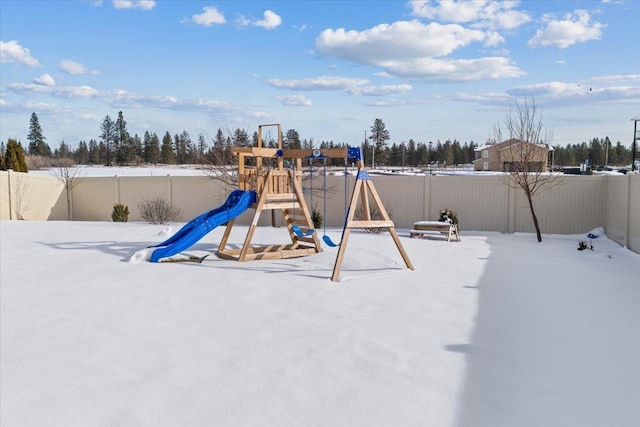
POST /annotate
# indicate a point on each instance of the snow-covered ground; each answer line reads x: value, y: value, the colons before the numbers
x: 496, y: 330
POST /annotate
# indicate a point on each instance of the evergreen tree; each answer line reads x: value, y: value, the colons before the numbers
x: 292, y: 139
x: 151, y: 148
x: 102, y: 153
x: 596, y: 153
x: 167, y: 156
x: 107, y: 138
x: 379, y: 137
x: 422, y: 155
x: 448, y: 153
x: 620, y: 156
x: 146, y: 142
x: 395, y: 156
x: 219, y: 153
x: 37, y: 144
x: 124, y: 146
x: 94, y: 155
x: 240, y: 138
x: 138, y: 149
x: 201, y: 149
x: 456, y: 150
x: 3, y: 150
x: 154, y: 156
x: 63, y: 151
x: 82, y: 153
x: 181, y: 149
x: 14, y: 156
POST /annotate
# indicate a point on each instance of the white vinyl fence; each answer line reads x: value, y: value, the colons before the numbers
x: 483, y: 203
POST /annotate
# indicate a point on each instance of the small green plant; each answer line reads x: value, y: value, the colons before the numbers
x: 447, y: 215
x: 159, y: 211
x: 316, y: 217
x: 120, y: 213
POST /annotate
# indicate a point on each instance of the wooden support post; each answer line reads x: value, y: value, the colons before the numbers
x: 361, y: 190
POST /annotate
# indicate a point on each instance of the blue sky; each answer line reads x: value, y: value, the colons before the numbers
x: 432, y: 70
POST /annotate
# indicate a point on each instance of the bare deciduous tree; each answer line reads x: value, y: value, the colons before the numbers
x: 22, y: 201
x: 524, y: 154
x: 70, y: 176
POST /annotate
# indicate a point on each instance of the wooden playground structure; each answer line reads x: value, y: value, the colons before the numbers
x: 278, y: 188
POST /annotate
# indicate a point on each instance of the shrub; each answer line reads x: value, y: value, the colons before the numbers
x: 120, y: 213
x: 159, y: 211
x: 35, y: 162
x: 316, y: 217
x: 447, y: 215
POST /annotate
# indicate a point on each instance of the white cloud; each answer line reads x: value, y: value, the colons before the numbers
x: 617, y: 78
x: 45, y: 80
x: 72, y: 67
x: 22, y: 88
x: 122, y: 98
x: 402, y: 39
x: 565, y: 93
x: 411, y: 49
x: 574, y: 28
x: 59, y: 91
x: 381, y: 90
x: 297, y: 100
x: 11, y: 51
x: 134, y: 4
x: 452, y: 70
x: 493, y: 39
x: 271, y: 20
x: 318, y: 83
x: 482, y: 13
x: 348, y: 85
x: 242, y: 21
x: 77, y: 92
x: 208, y: 17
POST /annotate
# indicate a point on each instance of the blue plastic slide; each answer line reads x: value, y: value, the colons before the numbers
x: 237, y: 202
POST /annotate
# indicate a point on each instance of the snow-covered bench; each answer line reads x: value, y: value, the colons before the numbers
x: 420, y: 228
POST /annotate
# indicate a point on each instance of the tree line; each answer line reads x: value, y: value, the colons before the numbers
x: 116, y: 146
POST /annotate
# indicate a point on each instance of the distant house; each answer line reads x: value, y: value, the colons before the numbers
x: 511, y: 155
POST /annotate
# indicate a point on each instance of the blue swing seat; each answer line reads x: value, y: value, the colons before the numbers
x: 301, y: 233
x: 329, y: 242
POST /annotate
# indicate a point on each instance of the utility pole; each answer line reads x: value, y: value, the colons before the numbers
x: 373, y: 155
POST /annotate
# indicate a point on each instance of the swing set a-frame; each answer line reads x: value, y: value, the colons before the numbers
x: 262, y: 170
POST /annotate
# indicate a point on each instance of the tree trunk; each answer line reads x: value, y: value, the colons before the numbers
x: 533, y: 215
x: 68, y: 203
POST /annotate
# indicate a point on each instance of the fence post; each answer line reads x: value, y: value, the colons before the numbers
x: 9, y: 172
x: 427, y: 198
x: 627, y: 225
